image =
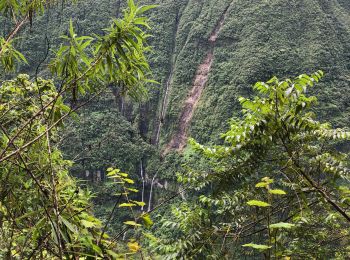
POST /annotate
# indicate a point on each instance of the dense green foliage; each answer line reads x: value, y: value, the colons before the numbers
x: 44, y: 212
x: 257, y: 40
x: 254, y: 43
x: 299, y: 206
x: 274, y: 186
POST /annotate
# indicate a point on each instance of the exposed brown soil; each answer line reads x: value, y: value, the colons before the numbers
x: 179, y: 140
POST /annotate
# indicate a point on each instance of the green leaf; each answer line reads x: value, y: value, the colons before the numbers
x: 5, y: 139
x: 71, y: 29
x: 282, y: 225
x: 145, y: 8
x: 69, y: 225
x: 277, y: 192
x: 97, y: 249
x: 147, y: 220
x: 87, y: 224
x: 129, y: 181
x: 267, y: 180
x: 261, y: 185
x: 139, y: 203
x: 113, y: 254
x: 133, y: 190
x: 131, y: 223
x: 256, y: 246
x: 113, y: 172
x: 258, y: 203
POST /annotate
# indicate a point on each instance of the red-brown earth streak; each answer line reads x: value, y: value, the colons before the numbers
x: 179, y: 140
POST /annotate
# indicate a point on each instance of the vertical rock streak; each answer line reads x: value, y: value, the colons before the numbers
x: 179, y: 140
x: 160, y: 120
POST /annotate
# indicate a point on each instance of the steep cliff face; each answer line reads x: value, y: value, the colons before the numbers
x: 196, y: 28
x: 206, y: 53
x: 180, y: 138
x: 256, y: 41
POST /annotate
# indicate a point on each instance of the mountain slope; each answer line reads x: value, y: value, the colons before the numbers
x: 200, y: 81
x: 179, y: 140
x: 259, y: 40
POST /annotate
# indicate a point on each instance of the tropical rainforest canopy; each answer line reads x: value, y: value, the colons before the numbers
x: 187, y: 129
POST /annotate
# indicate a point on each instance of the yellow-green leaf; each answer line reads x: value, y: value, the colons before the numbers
x: 258, y: 203
x: 267, y: 180
x: 123, y: 174
x: 129, y: 181
x: 256, y: 246
x: 131, y: 223
x: 147, y: 220
x: 282, y: 225
x: 134, y: 246
x: 277, y: 192
x: 261, y: 185
x: 127, y: 205
x: 87, y: 224
x: 139, y: 203
x: 133, y: 190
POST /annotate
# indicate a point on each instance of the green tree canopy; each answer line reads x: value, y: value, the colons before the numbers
x: 43, y: 211
x: 277, y: 186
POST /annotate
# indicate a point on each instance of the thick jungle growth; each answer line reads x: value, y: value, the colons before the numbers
x: 44, y: 213
x: 278, y: 140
